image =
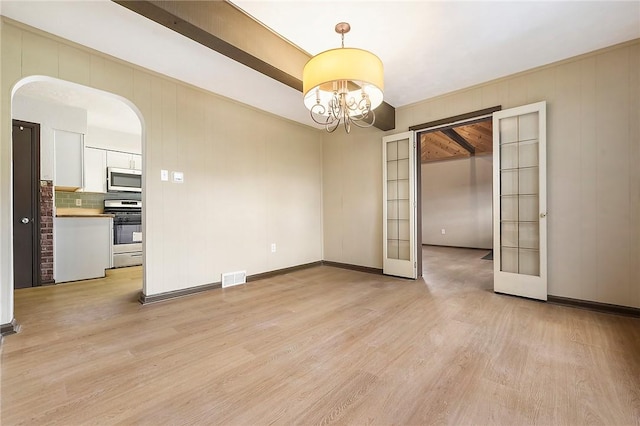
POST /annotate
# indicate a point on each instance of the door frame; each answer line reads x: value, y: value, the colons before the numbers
x: 35, y: 196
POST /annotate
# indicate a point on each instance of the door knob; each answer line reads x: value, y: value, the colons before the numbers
x: 24, y: 220
x: 543, y: 215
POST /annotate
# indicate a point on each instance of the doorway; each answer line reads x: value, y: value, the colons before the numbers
x: 456, y: 182
x: 26, y: 204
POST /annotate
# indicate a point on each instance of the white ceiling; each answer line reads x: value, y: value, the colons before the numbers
x: 428, y: 47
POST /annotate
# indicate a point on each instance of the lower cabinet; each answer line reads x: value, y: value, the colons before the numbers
x: 83, y: 247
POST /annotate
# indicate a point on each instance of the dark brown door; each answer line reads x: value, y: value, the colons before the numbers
x: 26, y: 179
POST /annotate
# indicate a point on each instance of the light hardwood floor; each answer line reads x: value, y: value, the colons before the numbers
x: 322, y: 345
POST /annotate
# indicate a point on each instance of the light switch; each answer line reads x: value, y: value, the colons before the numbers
x: 164, y: 175
x: 177, y: 177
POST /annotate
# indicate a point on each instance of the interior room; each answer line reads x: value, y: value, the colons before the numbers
x: 329, y: 225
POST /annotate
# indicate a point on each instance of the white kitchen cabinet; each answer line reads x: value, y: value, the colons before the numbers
x: 68, y: 165
x: 124, y: 160
x: 82, y: 247
x: 95, y: 170
x: 121, y: 160
x: 137, y: 161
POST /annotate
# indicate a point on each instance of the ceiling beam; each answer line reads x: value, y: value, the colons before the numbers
x: 455, y: 136
x: 221, y: 26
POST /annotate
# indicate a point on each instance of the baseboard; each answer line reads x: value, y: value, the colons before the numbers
x: 9, y: 328
x: 358, y: 268
x: 595, y: 306
x: 145, y: 300
x: 277, y: 272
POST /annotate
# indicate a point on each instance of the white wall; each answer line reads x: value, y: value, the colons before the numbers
x: 51, y: 117
x: 250, y: 178
x: 457, y: 197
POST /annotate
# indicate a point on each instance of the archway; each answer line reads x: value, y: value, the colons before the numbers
x: 105, y: 114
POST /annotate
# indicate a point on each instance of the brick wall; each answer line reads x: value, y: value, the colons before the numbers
x: 46, y: 232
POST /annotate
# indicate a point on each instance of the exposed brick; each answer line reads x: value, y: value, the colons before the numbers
x: 46, y: 230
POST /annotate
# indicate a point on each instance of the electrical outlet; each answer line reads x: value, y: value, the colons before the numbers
x: 273, y: 247
x: 78, y: 202
x: 443, y: 231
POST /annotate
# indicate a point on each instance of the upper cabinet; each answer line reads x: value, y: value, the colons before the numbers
x: 97, y: 160
x: 137, y: 161
x: 68, y: 164
x: 95, y: 170
x: 124, y: 160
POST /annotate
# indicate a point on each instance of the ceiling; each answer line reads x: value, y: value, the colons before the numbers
x: 461, y: 141
x: 428, y: 47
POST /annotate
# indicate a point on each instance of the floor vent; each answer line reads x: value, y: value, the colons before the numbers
x: 234, y: 278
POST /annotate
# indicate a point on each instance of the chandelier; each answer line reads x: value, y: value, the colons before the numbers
x: 343, y: 86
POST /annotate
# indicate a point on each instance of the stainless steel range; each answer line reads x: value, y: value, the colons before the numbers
x: 127, y: 231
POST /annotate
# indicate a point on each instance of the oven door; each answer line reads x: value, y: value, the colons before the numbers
x: 127, y: 233
x: 127, y: 240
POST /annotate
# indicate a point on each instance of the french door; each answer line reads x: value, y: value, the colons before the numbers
x: 399, y: 205
x: 520, y: 201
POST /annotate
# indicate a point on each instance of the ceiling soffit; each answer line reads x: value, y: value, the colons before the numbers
x: 229, y: 31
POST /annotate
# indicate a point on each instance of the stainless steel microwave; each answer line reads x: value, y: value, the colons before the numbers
x: 124, y: 180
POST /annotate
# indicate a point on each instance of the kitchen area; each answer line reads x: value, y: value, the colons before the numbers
x: 90, y: 180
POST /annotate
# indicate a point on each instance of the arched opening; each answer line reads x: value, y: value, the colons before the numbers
x: 83, y: 134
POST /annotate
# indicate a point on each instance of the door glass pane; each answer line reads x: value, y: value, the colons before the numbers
x: 519, y: 195
x: 509, y: 261
x: 528, y: 180
x: 403, y: 189
x: 508, y: 130
x: 398, y: 204
x: 392, y: 189
x: 392, y: 151
x: 509, y: 182
x: 528, y: 153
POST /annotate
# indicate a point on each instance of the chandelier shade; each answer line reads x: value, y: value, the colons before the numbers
x: 343, y: 85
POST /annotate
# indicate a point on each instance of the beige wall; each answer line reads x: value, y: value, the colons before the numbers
x: 352, y: 197
x: 593, y: 171
x: 457, y: 197
x: 251, y: 179
x: 593, y: 157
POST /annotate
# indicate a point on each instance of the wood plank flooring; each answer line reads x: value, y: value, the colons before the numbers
x: 318, y: 346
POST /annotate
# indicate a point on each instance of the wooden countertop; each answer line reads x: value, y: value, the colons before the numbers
x: 79, y: 212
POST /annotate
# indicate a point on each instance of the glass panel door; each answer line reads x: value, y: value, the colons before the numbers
x: 399, y: 208
x: 520, y: 201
